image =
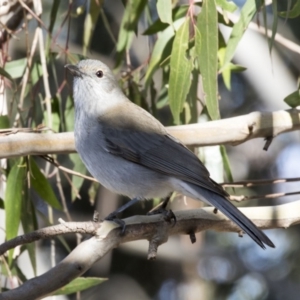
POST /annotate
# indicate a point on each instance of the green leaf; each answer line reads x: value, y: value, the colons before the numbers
x: 29, y: 224
x: 79, y: 284
x: 226, y: 163
x: 78, y: 167
x: 5, y: 74
x: 227, y: 5
x: 164, y: 10
x: 16, y: 68
x: 13, y: 200
x: 293, y: 13
x: 180, y: 71
x: 274, y: 25
x: 158, y: 26
x: 89, y: 24
x: 129, y: 24
x: 41, y: 185
x: 161, y: 49
x: 4, y: 122
x: 238, y: 29
x: 293, y: 99
x: 207, y: 24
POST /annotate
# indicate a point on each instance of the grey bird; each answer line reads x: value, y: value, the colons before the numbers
x: 131, y: 153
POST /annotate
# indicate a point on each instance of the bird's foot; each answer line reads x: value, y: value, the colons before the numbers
x: 113, y: 218
x: 167, y: 213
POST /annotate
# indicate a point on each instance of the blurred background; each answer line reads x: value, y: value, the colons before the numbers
x: 218, y: 265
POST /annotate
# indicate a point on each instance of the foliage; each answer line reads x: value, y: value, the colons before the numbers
x: 187, y: 49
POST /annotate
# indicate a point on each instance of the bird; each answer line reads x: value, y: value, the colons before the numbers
x: 131, y: 153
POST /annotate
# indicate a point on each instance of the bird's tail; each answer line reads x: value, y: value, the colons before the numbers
x: 229, y: 210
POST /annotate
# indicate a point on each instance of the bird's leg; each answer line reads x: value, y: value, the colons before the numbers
x: 167, y: 213
x: 113, y: 216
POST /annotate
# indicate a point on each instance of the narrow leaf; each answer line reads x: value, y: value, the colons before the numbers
x: 4, y: 122
x: 13, y: 200
x: 42, y: 186
x: 239, y: 28
x: 158, y: 26
x: 274, y: 25
x: 129, y: 24
x: 164, y: 10
x: 78, y: 167
x: 293, y: 99
x: 89, y: 24
x: 293, y: 13
x: 207, y: 24
x: 226, y: 163
x: 5, y: 74
x: 16, y: 68
x: 79, y: 284
x: 180, y: 71
x: 161, y: 49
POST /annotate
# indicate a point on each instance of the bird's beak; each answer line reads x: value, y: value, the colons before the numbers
x: 74, y: 70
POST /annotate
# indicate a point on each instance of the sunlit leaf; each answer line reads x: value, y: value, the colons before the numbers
x: 158, y: 25
x: 207, y: 25
x: 5, y: 74
x: 161, y: 49
x: 79, y: 284
x: 227, y: 5
x: 238, y: 29
x: 180, y: 71
x: 164, y: 10
x: 16, y: 68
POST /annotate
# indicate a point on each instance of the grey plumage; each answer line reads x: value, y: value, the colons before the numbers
x: 130, y: 152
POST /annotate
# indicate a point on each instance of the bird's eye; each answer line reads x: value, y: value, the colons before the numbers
x: 99, y: 74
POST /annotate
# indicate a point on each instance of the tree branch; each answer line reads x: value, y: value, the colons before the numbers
x: 232, y: 131
x: 153, y: 228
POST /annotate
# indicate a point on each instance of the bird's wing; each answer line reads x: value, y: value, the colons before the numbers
x: 158, y: 151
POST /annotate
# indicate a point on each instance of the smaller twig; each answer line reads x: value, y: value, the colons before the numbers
x: 250, y: 183
x: 266, y: 196
x: 69, y: 171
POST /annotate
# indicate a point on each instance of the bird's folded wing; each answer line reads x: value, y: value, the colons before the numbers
x: 159, y: 152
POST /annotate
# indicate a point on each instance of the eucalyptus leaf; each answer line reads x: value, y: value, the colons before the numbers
x: 13, y: 200
x: 42, y: 186
x: 180, y: 71
x: 79, y: 284
x: 207, y: 49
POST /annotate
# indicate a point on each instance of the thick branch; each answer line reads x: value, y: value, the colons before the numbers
x: 227, y: 131
x: 152, y: 228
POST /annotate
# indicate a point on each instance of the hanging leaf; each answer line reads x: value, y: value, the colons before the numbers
x: 207, y: 49
x: 180, y: 71
x: 42, y: 186
x: 293, y: 99
x: 90, y: 23
x: 164, y: 10
x: 13, y: 201
x: 162, y: 49
x: 238, y: 29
